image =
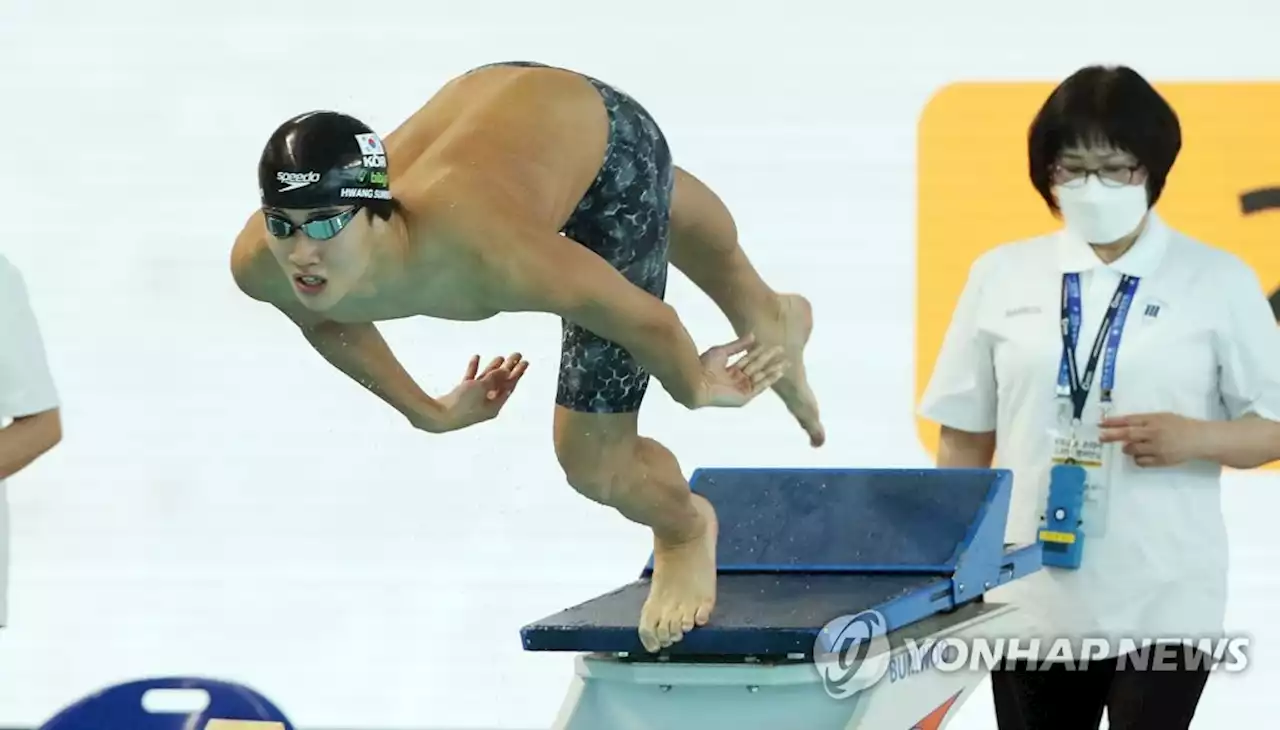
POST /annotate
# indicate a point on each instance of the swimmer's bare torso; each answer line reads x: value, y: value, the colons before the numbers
x: 487, y: 172
x: 525, y: 188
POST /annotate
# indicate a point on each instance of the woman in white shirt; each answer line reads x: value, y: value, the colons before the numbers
x: 1184, y: 380
x: 29, y: 416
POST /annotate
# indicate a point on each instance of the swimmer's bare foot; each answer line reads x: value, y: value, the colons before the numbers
x: 682, y: 593
x: 789, y: 323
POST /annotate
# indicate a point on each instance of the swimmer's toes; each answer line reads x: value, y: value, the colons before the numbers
x: 796, y: 319
x: 688, y: 619
x: 648, y: 628
x: 813, y: 426
x: 817, y: 437
x: 803, y: 406
x: 675, y: 629
x: 662, y: 636
x: 703, y: 614
x: 649, y: 638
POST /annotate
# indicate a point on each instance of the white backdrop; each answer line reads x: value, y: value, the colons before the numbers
x: 226, y: 503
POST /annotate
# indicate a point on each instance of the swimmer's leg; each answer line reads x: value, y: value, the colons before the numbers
x: 625, y: 218
x: 704, y: 246
x: 606, y: 460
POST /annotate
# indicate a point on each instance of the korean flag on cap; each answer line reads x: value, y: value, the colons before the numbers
x: 370, y: 144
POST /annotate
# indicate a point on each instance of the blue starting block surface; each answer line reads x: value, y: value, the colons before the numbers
x: 800, y: 547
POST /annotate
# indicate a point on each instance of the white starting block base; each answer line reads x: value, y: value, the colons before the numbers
x: 610, y: 693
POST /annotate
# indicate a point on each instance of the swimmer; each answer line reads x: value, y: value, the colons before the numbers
x: 525, y: 188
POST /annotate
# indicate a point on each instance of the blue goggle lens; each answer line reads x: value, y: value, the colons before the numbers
x: 320, y: 230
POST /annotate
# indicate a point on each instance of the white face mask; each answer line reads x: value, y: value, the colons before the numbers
x: 1101, y: 214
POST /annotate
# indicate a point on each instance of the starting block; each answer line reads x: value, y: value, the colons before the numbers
x: 831, y: 582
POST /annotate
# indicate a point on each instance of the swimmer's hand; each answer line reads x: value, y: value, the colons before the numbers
x: 726, y: 385
x: 481, y: 395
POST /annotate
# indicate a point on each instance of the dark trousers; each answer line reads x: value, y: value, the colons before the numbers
x: 1137, y: 696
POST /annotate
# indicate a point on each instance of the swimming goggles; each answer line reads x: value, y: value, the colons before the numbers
x: 320, y: 229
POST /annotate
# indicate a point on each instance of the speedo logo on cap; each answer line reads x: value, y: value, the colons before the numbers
x: 295, y: 180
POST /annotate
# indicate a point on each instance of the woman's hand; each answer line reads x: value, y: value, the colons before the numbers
x: 1155, y: 439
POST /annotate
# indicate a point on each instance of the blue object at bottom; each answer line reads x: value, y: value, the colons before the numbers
x: 121, y: 707
x: 1062, y: 536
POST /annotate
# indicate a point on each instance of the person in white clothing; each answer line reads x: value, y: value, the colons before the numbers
x: 1184, y: 380
x: 30, y: 423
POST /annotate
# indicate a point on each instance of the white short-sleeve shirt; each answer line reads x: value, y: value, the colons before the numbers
x: 26, y: 385
x: 1200, y: 340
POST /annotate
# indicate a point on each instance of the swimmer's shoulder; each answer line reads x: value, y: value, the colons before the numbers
x: 464, y: 224
x: 258, y: 274
x: 248, y: 255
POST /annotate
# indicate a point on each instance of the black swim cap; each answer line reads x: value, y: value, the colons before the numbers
x: 322, y: 159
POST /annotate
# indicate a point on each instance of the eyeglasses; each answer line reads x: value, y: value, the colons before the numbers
x: 1112, y: 176
x: 321, y: 229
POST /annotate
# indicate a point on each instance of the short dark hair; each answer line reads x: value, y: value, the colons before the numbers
x: 1112, y: 104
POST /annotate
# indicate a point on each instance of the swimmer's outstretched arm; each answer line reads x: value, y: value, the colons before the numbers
x: 358, y: 350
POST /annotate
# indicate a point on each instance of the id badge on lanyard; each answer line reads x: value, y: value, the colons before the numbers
x: 1076, y: 443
